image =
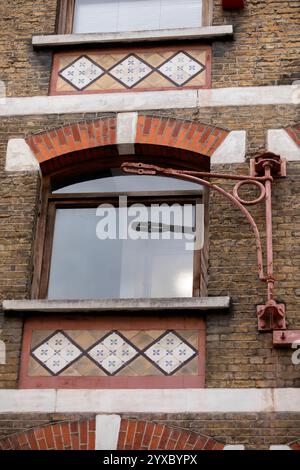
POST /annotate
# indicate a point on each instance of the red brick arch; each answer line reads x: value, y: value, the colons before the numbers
x: 146, y: 435
x: 75, y: 435
x: 134, y: 434
x: 60, y: 147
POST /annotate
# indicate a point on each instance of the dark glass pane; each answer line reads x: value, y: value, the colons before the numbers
x: 152, y: 262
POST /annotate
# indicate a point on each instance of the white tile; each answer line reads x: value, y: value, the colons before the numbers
x: 112, y: 353
x: 130, y: 71
x: 169, y: 352
x: 181, y: 68
x: 56, y: 353
x: 82, y: 73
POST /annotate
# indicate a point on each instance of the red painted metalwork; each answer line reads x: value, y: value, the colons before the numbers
x: 264, y: 168
x: 286, y: 339
x: 233, y: 4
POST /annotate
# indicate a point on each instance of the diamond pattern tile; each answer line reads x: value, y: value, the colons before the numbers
x: 81, y: 73
x: 113, y: 353
x: 130, y: 71
x: 129, y: 352
x: 170, y: 352
x: 56, y: 353
x: 181, y: 68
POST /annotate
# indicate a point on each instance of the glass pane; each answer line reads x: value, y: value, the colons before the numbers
x: 122, y: 252
x: 180, y: 14
x: 138, y: 15
x: 129, y: 183
x: 92, y: 16
x: 95, y: 16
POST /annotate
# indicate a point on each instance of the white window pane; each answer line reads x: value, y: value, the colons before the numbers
x: 180, y: 14
x: 86, y: 267
x: 138, y: 15
x: 93, y: 16
x: 135, y: 15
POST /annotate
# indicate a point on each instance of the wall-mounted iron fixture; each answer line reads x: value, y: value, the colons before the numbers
x: 286, y: 339
x: 233, y: 4
x: 263, y: 169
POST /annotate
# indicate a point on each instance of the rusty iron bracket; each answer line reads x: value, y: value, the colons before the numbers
x: 286, y: 339
x: 263, y: 169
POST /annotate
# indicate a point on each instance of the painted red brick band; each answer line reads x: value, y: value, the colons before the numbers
x: 145, y: 435
x: 294, y: 133
x: 186, y: 135
x: 76, y: 435
x: 233, y: 4
x: 74, y: 137
x: 77, y: 142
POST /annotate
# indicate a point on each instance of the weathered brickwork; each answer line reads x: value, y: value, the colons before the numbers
x: 265, y: 50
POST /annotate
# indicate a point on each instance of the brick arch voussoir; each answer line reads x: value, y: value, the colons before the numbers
x: 78, y: 139
x: 294, y: 133
x: 146, y: 435
x: 295, y: 445
x: 67, y: 435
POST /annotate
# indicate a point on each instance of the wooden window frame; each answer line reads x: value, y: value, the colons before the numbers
x: 46, y: 219
x: 66, y: 11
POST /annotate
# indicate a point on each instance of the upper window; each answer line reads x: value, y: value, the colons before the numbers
x: 105, y: 16
x: 122, y: 236
x: 93, y: 16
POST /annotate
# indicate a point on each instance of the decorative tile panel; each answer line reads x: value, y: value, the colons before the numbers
x: 113, y: 351
x: 134, y: 69
x: 153, y: 352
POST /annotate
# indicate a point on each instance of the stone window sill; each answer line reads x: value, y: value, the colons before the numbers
x: 106, y: 305
x: 63, y: 40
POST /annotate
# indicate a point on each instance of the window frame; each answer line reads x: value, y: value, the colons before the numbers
x: 50, y: 201
x: 66, y: 11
